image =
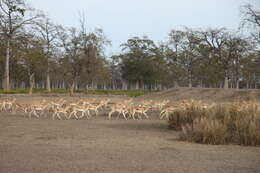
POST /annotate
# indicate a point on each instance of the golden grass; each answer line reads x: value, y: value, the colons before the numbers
x: 237, y: 123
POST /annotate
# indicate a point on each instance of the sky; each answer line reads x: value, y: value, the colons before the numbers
x: 122, y: 19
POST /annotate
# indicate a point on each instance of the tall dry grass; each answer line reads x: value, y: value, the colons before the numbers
x: 236, y: 123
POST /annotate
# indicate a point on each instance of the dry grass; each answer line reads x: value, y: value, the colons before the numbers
x: 237, y: 123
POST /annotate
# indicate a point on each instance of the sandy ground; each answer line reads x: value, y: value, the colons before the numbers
x: 115, y: 146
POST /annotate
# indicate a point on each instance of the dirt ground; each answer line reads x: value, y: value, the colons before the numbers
x: 110, y: 146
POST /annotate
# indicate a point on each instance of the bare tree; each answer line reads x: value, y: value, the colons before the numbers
x: 250, y: 15
x: 251, y: 19
x: 48, y: 34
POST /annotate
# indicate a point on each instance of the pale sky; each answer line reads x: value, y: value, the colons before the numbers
x: 122, y: 19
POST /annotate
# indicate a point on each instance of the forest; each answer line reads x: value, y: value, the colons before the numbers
x: 37, y: 53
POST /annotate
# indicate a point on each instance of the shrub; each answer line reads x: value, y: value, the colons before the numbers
x: 205, y: 131
x: 187, y: 113
x: 238, y: 123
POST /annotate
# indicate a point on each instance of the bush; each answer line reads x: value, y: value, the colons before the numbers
x: 187, y: 113
x: 204, y: 130
x: 238, y: 123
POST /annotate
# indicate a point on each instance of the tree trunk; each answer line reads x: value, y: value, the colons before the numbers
x: 124, y: 85
x: 7, y: 59
x: 226, y: 82
x: 137, y: 85
x: 175, y: 84
x: 72, y: 88
x: 48, y: 82
x: 201, y: 84
x: 113, y: 85
x: 237, y: 84
x: 63, y: 85
x: 94, y: 85
x: 32, y: 84
x: 190, y: 80
x: 105, y: 86
x: 160, y: 87
x: 190, y: 83
x: 76, y: 84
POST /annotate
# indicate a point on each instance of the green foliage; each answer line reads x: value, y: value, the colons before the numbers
x: 64, y: 91
x: 19, y: 91
x: 142, y: 61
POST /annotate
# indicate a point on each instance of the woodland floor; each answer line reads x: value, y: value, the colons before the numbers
x: 111, y: 146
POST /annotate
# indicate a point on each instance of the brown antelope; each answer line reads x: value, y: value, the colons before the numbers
x: 60, y: 110
x: 147, y: 102
x: 77, y: 108
x: 120, y: 108
x: 7, y: 105
x: 140, y: 110
x: 104, y: 103
x: 96, y: 107
x: 34, y: 109
x: 165, y: 112
x: 161, y: 104
x: 25, y: 108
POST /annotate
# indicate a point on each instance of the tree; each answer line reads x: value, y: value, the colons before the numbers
x: 189, y: 53
x: 237, y: 49
x: 216, y: 40
x: 48, y: 33
x: 251, y: 19
x: 82, y: 61
x: 250, y: 15
x: 174, y: 43
x: 30, y: 58
x: 14, y: 14
x: 140, y: 62
x: 184, y: 46
x: 71, y: 62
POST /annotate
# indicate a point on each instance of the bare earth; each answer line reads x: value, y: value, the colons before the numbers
x: 115, y: 146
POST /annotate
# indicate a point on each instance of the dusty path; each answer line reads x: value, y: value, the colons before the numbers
x: 116, y: 146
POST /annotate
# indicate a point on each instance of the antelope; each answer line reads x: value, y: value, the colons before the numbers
x: 2, y: 103
x: 147, y: 102
x: 82, y: 108
x: 161, y: 104
x: 120, y: 108
x: 60, y: 110
x: 127, y: 102
x: 23, y: 107
x: 104, y: 102
x: 140, y: 110
x: 7, y: 104
x: 95, y: 107
x: 59, y: 103
x: 73, y: 111
x: 36, y: 108
x: 165, y: 112
x: 84, y: 111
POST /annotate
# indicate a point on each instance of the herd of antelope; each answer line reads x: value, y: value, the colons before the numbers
x: 86, y: 108
x: 56, y: 108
